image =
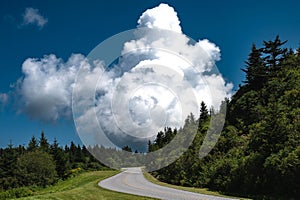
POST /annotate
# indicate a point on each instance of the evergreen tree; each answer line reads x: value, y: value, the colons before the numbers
x: 8, y: 165
x: 44, y: 145
x: 60, y: 158
x: 72, y: 154
x: 33, y: 144
x: 258, y: 152
x: 256, y: 71
x: 274, y: 54
x: 203, y: 113
x: 159, y: 141
x: 79, y: 155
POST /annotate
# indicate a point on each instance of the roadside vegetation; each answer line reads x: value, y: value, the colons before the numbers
x: 84, y: 187
x: 40, y: 164
x: 206, y: 191
x: 258, y: 153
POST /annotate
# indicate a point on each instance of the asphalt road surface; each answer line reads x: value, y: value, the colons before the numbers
x: 132, y: 181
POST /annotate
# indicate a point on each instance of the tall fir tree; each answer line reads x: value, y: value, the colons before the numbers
x: 33, y: 144
x: 203, y: 112
x: 274, y: 54
x: 256, y: 71
x: 44, y: 145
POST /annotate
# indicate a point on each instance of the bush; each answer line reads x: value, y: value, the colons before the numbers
x: 16, y: 193
x: 36, y: 168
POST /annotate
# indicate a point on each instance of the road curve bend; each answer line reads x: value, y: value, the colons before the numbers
x: 132, y: 181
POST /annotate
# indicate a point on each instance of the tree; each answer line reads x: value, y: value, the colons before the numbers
x: 72, y: 150
x: 62, y: 164
x: 258, y: 152
x: 8, y: 160
x: 159, y: 141
x: 36, y: 168
x: 203, y: 113
x: 44, y: 145
x: 256, y: 71
x: 274, y: 53
x: 33, y: 144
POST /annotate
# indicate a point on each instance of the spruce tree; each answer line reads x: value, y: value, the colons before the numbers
x: 256, y: 71
x: 274, y: 54
x: 203, y: 112
x: 44, y: 145
x: 33, y: 144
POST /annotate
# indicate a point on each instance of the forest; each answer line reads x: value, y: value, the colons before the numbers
x: 258, y: 152
x: 40, y: 164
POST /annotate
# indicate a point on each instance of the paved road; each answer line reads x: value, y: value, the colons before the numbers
x: 132, y: 181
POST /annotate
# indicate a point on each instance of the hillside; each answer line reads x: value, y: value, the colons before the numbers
x: 258, y: 153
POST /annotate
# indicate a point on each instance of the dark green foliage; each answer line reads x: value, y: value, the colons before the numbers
x: 258, y: 153
x: 256, y: 71
x: 8, y: 166
x: 164, y: 137
x: 40, y: 164
x: 33, y: 144
x: 44, y: 145
x: 275, y: 54
x: 16, y: 193
x: 61, y: 160
x: 203, y: 112
x: 36, y: 168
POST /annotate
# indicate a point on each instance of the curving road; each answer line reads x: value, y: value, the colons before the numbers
x: 132, y: 181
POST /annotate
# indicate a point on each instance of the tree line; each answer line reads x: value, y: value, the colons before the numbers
x: 41, y: 163
x: 258, y: 152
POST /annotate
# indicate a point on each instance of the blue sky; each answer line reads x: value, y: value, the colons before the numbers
x: 77, y: 27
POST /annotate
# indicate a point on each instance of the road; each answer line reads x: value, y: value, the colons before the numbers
x: 132, y: 181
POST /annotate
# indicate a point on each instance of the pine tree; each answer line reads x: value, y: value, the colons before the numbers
x: 33, y: 144
x: 256, y: 71
x: 8, y: 161
x: 44, y: 145
x: 274, y: 54
x: 61, y: 160
x: 159, y: 139
x: 203, y: 112
x: 72, y: 153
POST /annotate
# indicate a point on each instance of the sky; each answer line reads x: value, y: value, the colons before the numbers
x: 69, y: 30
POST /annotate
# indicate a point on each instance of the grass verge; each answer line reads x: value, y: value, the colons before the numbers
x: 83, y: 187
x: 152, y: 179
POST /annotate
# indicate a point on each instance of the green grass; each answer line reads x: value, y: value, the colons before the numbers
x: 83, y: 186
x: 152, y: 179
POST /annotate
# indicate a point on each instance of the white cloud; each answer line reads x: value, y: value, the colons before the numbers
x: 32, y: 16
x: 162, y: 17
x: 46, y: 90
x: 164, y: 76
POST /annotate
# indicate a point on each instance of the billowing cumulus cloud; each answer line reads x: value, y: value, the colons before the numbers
x: 46, y: 89
x: 162, y: 17
x: 161, y: 76
x: 32, y: 16
x: 164, y: 77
